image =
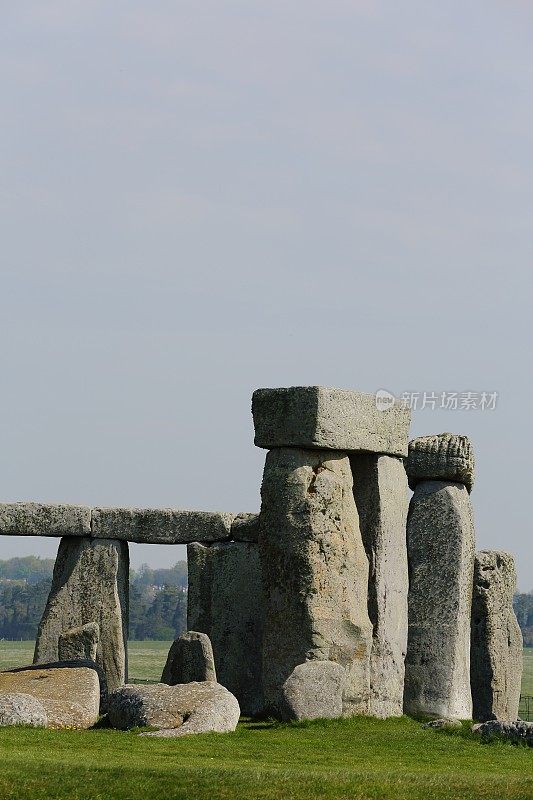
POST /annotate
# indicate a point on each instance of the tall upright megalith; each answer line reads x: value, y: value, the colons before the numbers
x: 90, y: 584
x: 381, y: 494
x: 315, y: 573
x: 440, y: 547
x: 225, y: 601
x: 496, y: 645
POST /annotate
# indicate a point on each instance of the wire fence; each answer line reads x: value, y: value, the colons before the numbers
x: 525, y: 709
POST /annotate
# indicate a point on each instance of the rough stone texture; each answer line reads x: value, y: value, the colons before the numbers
x: 315, y: 573
x: 496, y: 643
x: 21, y: 709
x: 70, y: 695
x: 90, y: 584
x: 440, y: 547
x: 245, y: 528
x: 225, y: 601
x: 190, y: 658
x: 314, y: 690
x: 80, y: 642
x: 444, y: 723
x: 381, y: 495
x: 73, y: 664
x: 516, y: 732
x: 328, y: 419
x: 160, y: 525
x: 442, y: 457
x: 44, y: 519
x: 205, y: 706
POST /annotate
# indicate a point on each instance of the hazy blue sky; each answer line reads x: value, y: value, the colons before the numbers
x: 200, y: 198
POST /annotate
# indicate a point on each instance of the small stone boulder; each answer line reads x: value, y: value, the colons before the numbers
x: 445, y: 723
x: 516, y: 732
x: 69, y: 695
x: 197, y: 707
x: 313, y: 690
x: 190, y: 658
x: 79, y: 642
x: 17, y: 708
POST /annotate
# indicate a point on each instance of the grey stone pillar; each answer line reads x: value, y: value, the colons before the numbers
x: 315, y: 573
x: 381, y: 494
x: 90, y: 584
x: 496, y: 647
x: 440, y: 547
x: 225, y: 601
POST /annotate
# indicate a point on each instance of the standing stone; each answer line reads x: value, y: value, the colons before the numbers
x: 190, y: 658
x: 80, y: 642
x: 496, y: 646
x: 440, y: 547
x: 315, y: 573
x: 381, y: 494
x: 90, y: 584
x: 225, y: 601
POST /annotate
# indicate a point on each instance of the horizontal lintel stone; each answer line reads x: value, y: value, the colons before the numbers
x: 44, y: 519
x: 161, y: 525
x: 316, y: 417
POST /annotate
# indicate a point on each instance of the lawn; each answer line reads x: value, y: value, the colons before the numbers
x: 357, y: 758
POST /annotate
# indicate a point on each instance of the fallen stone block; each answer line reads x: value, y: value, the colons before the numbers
x: 79, y: 642
x: 380, y: 491
x: 496, y: 644
x: 314, y: 690
x: 315, y: 573
x: 44, y: 519
x: 90, y: 584
x: 21, y: 709
x: 315, y: 417
x: 443, y: 724
x: 190, y: 658
x: 205, y: 707
x: 70, y: 696
x: 516, y: 732
x: 440, y: 547
x: 225, y: 601
x: 160, y: 525
x: 442, y: 457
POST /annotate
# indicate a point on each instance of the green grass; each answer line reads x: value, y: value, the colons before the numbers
x: 527, y: 677
x: 146, y: 659
x: 357, y: 758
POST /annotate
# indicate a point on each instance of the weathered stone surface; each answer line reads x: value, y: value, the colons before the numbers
x: 44, y: 519
x: 314, y: 690
x: 90, y: 584
x: 245, y: 528
x: 440, y: 547
x: 496, y: 644
x: 205, y: 706
x: 328, y: 419
x: 160, y: 525
x: 190, y: 658
x: 79, y: 663
x: 516, y: 732
x: 79, y: 642
x: 380, y: 491
x: 315, y: 573
x: 443, y: 723
x: 225, y: 601
x: 442, y: 457
x: 21, y: 709
x: 70, y: 696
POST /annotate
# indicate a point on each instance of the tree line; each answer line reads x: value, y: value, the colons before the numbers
x: 158, y: 599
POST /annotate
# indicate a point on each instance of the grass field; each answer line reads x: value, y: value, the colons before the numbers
x: 527, y: 676
x: 356, y: 758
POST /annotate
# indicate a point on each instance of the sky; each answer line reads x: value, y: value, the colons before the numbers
x: 201, y: 198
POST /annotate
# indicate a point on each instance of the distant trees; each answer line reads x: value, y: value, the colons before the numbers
x: 523, y: 607
x: 158, y: 599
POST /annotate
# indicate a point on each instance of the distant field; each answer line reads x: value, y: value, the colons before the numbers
x: 146, y: 659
